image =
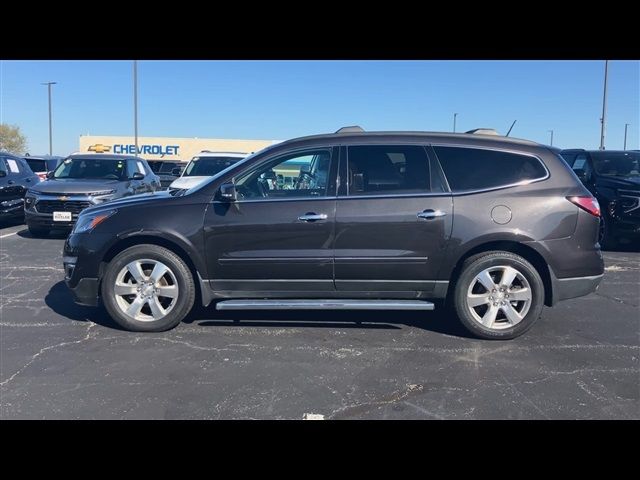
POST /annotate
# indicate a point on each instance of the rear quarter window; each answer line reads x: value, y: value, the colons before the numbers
x: 470, y: 169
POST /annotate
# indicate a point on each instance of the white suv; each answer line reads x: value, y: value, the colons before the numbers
x: 205, y: 165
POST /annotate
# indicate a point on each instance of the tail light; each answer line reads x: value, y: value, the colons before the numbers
x: 587, y: 203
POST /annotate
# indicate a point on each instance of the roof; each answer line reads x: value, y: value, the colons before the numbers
x: 207, y: 153
x: 104, y: 156
x: 430, y: 136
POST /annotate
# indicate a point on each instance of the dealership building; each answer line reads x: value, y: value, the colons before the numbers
x: 168, y: 148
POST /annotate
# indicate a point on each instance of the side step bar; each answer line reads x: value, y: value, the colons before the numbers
x: 298, y: 304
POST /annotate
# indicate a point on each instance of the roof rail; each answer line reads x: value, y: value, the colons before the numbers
x: 483, y: 131
x: 351, y: 129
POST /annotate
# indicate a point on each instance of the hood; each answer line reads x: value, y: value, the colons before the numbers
x: 187, y: 182
x: 133, y: 200
x: 629, y: 183
x: 74, y: 185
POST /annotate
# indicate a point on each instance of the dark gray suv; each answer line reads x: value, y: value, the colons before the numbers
x: 493, y: 227
x: 80, y: 181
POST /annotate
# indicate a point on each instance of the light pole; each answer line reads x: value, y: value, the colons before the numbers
x: 454, y: 122
x: 625, y: 135
x: 48, y: 84
x: 603, y: 119
x: 551, y: 137
x: 135, y: 103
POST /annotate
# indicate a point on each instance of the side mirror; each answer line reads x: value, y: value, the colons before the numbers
x: 50, y: 174
x: 228, y: 192
x: 3, y: 173
x: 176, y: 172
x: 138, y: 176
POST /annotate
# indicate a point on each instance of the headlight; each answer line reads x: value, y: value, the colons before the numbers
x: 102, y: 192
x: 86, y: 223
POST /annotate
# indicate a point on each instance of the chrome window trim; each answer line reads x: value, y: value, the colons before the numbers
x: 494, y: 149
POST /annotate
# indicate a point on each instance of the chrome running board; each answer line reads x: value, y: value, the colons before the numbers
x: 297, y: 304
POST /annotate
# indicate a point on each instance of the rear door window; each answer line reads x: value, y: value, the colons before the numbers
x: 388, y: 170
x: 469, y: 169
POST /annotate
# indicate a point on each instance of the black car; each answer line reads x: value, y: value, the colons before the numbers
x: 42, y: 165
x: 613, y: 177
x: 15, y: 179
x: 166, y: 170
x: 493, y: 226
x: 83, y: 180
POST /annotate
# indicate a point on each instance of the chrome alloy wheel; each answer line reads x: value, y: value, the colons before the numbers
x: 499, y: 297
x: 146, y: 290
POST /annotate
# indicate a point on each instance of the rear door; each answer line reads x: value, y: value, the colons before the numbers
x: 393, y: 219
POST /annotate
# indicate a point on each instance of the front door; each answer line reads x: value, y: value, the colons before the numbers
x: 278, y: 235
x: 393, y: 220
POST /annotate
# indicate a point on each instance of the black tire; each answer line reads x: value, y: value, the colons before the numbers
x: 476, y: 264
x: 38, y: 231
x: 184, y: 278
x: 606, y: 238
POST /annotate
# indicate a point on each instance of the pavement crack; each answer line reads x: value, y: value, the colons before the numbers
x: 395, y: 397
x: 42, y: 351
x: 615, y: 299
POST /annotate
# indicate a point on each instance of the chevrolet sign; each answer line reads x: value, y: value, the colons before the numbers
x: 99, y: 148
x: 161, y: 150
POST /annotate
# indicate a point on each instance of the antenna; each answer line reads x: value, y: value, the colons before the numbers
x: 514, y: 122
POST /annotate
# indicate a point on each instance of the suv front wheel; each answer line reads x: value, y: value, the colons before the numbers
x: 148, y: 288
x: 499, y: 295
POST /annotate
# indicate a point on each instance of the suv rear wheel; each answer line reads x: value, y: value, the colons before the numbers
x: 499, y: 295
x: 148, y: 288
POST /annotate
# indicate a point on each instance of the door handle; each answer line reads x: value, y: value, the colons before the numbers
x: 312, y: 217
x: 431, y: 214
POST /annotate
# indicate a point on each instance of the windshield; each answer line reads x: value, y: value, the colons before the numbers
x: 617, y: 164
x: 208, y: 166
x: 108, y: 169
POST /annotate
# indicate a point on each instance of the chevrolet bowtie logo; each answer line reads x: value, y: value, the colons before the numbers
x: 63, y: 198
x: 99, y: 148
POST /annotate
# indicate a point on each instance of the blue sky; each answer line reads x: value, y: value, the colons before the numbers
x: 284, y: 99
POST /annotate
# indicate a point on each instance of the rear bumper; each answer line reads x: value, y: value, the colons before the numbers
x: 566, y: 288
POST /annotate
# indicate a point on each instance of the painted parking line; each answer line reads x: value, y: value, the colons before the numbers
x: 8, y: 235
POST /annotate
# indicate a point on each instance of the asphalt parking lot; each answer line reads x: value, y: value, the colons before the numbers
x: 61, y: 360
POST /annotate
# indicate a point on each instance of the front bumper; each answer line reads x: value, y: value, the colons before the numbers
x: 566, y: 288
x: 85, y: 292
x: 46, y: 220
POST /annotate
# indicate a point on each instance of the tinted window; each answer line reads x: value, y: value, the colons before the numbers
x: 166, y: 167
x: 568, y: 157
x: 208, y: 166
x: 617, y: 164
x: 388, y: 169
x: 37, y: 165
x: 291, y: 176
x: 581, y: 164
x: 3, y: 165
x: 478, y: 169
